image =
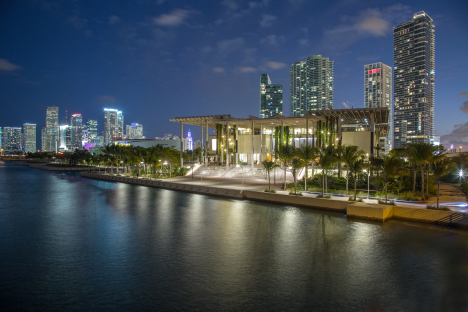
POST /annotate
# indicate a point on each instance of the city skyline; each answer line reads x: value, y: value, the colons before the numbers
x: 342, y: 32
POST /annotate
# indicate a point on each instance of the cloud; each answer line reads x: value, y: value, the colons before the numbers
x: 159, y: 2
x: 77, y: 22
x: 275, y: 65
x: 206, y: 49
x: 459, y: 135
x: 464, y: 107
x: 230, y: 4
x: 218, y: 69
x: 303, y: 42
x: 106, y: 99
x: 113, y: 19
x: 465, y: 94
x: 272, y: 40
x: 267, y: 20
x: 247, y: 69
x: 174, y: 18
x: 230, y: 45
x: 370, y: 22
x: 5, y: 65
x: 258, y: 4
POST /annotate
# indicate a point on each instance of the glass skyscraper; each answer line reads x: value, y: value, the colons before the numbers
x: 29, y: 134
x: 52, y: 130
x: 135, y: 131
x: 414, y: 71
x: 378, y: 93
x: 311, y: 85
x: 76, y: 131
x: 113, y: 125
x: 271, y: 97
x: 11, y: 139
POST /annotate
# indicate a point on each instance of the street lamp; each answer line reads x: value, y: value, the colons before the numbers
x: 368, y: 175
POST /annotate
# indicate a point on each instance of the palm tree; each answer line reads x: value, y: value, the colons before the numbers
x: 296, y: 164
x: 326, y: 162
x: 349, y: 155
x: 285, y: 153
x: 307, y: 154
x: 390, y: 168
x: 441, y: 166
x: 356, y: 167
x: 269, y: 166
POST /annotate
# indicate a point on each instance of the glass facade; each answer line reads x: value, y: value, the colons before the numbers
x: 378, y: 93
x: 11, y: 139
x: 113, y: 125
x: 52, y: 130
x: 76, y: 131
x: 271, y: 98
x: 414, y: 74
x: 311, y: 85
x: 135, y: 131
x: 29, y: 134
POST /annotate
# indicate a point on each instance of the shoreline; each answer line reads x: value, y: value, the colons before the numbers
x: 353, y: 210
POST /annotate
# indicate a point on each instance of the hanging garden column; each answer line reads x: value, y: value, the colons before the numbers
x: 252, y: 157
x: 201, y: 146
x: 206, y: 143
x: 228, y: 155
x: 181, y: 144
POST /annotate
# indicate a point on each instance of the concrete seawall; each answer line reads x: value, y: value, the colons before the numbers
x: 52, y: 168
x: 361, y: 210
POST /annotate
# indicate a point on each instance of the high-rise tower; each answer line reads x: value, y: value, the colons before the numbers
x: 271, y: 97
x: 29, y: 133
x: 52, y: 129
x: 311, y: 85
x: 378, y: 93
x: 414, y: 70
x: 76, y: 131
x: 113, y: 125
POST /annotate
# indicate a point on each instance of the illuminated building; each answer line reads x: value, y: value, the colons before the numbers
x: 271, y: 97
x: 29, y: 135
x: 65, y: 138
x: 135, y: 131
x: 311, y: 85
x: 414, y: 74
x: 113, y: 125
x: 76, y: 131
x: 91, y: 130
x: 43, y: 139
x: 189, y: 141
x: 11, y: 139
x: 378, y: 93
x: 52, y: 130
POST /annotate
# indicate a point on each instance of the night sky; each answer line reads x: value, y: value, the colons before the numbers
x: 158, y: 59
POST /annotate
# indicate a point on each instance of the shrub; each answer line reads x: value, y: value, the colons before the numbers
x: 389, y: 202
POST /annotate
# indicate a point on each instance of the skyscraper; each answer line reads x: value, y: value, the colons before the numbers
x: 113, y: 125
x: 76, y: 131
x: 11, y: 139
x: 91, y: 130
x: 190, y: 141
x: 29, y: 133
x: 311, y: 85
x: 378, y: 93
x: 52, y: 129
x: 135, y: 131
x: 271, y: 97
x: 414, y: 70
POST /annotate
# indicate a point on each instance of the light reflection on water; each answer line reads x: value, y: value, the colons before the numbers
x: 68, y: 242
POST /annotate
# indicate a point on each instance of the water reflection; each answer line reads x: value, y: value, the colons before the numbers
x: 96, y: 245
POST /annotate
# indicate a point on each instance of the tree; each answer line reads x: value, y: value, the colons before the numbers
x: 390, y: 168
x: 326, y: 161
x: 356, y: 167
x: 269, y: 166
x: 441, y: 166
x: 296, y: 164
x: 349, y: 155
x: 308, y: 155
x: 285, y: 153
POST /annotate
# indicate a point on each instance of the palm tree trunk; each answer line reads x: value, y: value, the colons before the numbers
x: 323, y: 184
x: 326, y: 182
x: 355, y: 186
x: 414, y: 181
x: 295, y: 182
x: 438, y: 186
x: 285, y: 177
x: 386, y: 183
x: 305, y: 182
x: 427, y: 181
x: 269, y: 187
x: 422, y: 183
x: 347, y: 178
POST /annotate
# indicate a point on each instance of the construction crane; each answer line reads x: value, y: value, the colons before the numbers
x: 347, y: 106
